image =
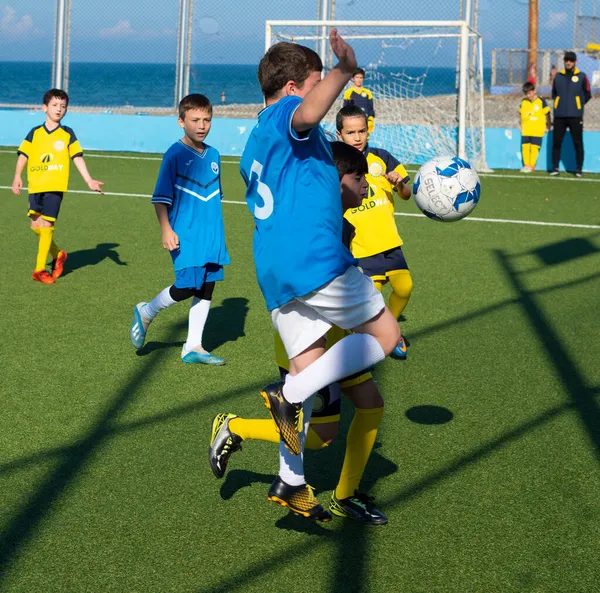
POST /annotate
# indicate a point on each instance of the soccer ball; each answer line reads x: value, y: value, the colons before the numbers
x: 446, y: 188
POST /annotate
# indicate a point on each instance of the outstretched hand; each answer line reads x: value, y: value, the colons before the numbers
x: 343, y: 52
x: 96, y: 185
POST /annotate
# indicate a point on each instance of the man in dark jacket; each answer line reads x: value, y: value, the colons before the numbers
x: 570, y: 91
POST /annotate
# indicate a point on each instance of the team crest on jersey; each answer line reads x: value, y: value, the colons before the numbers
x: 575, y: 79
x: 375, y: 169
x: 47, y: 157
x: 215, y: 167
x: 59, y: 145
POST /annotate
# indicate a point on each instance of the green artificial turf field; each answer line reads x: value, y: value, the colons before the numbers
x: 488, y: 458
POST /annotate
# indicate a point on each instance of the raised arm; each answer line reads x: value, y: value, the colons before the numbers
x: 320, y: 99
x: 91, y: 183
x: 17, y: 183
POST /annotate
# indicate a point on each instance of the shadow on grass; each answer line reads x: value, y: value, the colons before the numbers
x: 92, y: 257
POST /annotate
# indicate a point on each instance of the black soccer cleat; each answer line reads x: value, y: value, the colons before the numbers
x: 359, y: 507
x: 287, y: 417
x: 301, y: 500
x: 223, y: 443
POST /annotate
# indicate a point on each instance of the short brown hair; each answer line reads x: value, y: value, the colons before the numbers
x: 194, y: 101
x: 358, y: 71
x: 52, y: 93
x: 284, y: 62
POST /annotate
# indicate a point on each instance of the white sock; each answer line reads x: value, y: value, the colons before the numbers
x: 352, y: 354
x: 197, y: 320
x: 291, y: 467
x: 161, y: 301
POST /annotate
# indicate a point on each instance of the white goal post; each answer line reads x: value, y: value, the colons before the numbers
x: 441, y: 118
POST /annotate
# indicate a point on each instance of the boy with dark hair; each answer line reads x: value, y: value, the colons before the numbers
x: 187, y: 200
x: 229, y: 430
x: 49, y: 149
x: 376, y: 243
x: 361, y: 97
x: 306, y: 274
x: 535, y: 122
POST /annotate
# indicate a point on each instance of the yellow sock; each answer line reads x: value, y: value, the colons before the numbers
x: 402, y: 286
x: 378, y: 285
x: 43, y: 247
x: 526, y: 152
x: 313, y: 440
x: 258, y: 430
x: 534, y: 151
x: 54, y: 249
x: 360, y: 441
x: 36, y: 230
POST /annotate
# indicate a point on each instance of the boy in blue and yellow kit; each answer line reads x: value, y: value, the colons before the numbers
x: 361, y: 97
x: 376, y: 243
x: 187, y: 200
x: 307, y: 276
x: 535, y: 122
x: 47, y: 151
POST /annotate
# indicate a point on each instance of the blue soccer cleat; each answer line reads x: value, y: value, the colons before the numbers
x: 139, y: 327
x: 400, y: 351
x: 193, y: 357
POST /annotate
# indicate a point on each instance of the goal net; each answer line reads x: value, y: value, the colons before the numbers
x: 426, y: 78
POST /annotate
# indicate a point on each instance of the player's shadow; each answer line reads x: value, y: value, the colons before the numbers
x: 225, y: 323
x: 91, y: 257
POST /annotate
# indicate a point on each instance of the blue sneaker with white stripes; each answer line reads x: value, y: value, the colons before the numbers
x: 139, y: 327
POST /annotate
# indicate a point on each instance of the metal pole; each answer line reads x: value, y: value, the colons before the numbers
x: 323, y: 33
x: 462, y: 88
x: 533, y: 35
x: 188, y: 53
x: 59, y: 46
x: 180, y: 64
x: 67, y: 53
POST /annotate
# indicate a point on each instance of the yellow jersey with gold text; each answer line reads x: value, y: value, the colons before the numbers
x: 49, y: 155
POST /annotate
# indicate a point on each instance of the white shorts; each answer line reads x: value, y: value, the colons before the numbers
x: 346, y: 301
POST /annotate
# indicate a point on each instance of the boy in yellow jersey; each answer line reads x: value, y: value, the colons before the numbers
x: 228, y: 430
x: 376, y: 243
x: 47, y: 151
x: 362, y: 97
x: 535, y: 122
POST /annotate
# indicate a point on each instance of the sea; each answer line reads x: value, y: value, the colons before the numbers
x: 153, y: 85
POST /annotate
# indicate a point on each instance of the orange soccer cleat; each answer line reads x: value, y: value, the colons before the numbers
x: 42, y: 276
x: 58, y: 264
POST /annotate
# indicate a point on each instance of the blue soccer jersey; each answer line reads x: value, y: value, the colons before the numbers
x: 189, y: 183
x: 293, y: 191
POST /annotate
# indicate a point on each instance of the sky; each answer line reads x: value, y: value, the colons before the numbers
x: 232, y: 31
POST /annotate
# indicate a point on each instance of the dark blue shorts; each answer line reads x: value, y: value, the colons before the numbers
x: 197, y: 276
x: 382, y: 265
x: 535, y: 140
x: 46, y: 203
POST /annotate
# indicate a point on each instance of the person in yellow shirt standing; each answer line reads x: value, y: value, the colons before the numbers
x: 361, y: 97
x: 47, y: 151
x: 535, y: 122
x: 376, y: 242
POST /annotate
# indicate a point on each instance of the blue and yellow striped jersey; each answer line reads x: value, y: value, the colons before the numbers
x: 362, y: 98
x: 49, y: 155
x: 374, y: 221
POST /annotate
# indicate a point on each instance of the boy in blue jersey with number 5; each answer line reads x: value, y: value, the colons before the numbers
x: 187, y: 199
x: 307, y: 275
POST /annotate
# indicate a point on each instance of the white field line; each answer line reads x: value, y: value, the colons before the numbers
x: 565, y: 177
x: 412, y: 214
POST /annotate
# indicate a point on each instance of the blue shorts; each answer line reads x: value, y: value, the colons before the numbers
x: 383, y: 265
x: 46, y: 203
x: 197, y: 276
x: 535, y: 140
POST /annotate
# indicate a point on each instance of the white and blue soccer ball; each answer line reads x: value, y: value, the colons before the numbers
x: 446, y: 188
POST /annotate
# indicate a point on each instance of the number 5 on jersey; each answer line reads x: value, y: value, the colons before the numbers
x: 262, y: 212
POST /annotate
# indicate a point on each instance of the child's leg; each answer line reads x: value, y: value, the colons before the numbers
x: 534, y: 151
x: 361, y: 435
x: 402, y: 285
x: 198, y: 315
x: 165, y: 298
x: 526, y: 151
x: 45, y: 231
